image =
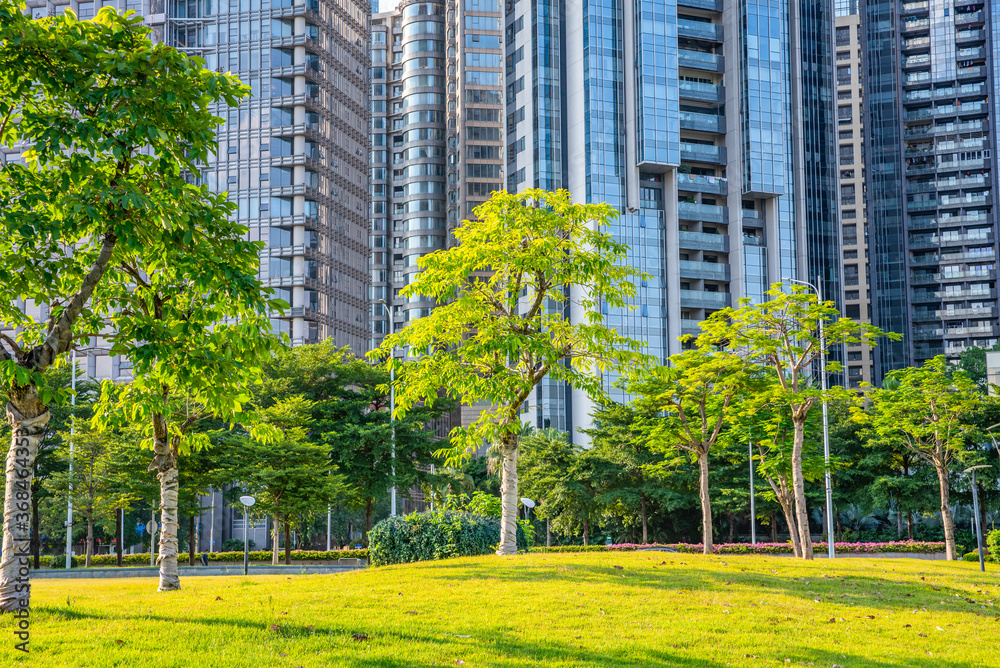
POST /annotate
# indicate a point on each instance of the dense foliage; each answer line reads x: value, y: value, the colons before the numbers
x: 434, y: 535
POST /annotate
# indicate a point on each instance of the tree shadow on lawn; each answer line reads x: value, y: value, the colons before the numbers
x: 529, y: 653
x: 523, y: 652
x: 848, y: 591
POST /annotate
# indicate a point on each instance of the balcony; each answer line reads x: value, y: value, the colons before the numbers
x: 969, y: 36
x: 691, y: 120
x: 710, y: 271
x: 927, y: 333
x: 921, y: 205
x: 703, y: 153
x: 921, y: 59
x: 703, y: 241
x: 971, y: 72
x: 980, y: 330
x: 700, y: 299
x: 915, y: 78
x: 980, y: 312
x: 966, y: 275
x: 690, y: 327
x: 920, y: 296
x: 915, y: 7
x: 916, y: 43
x: 708, y: 213
x: 968, y: 18
x: 700, y: 60
x: 926, y: 113
x: 699, y: 30
x: 913, y: 25
x: 695, y: 90
x: 709, y: 5
x: 715, y: 185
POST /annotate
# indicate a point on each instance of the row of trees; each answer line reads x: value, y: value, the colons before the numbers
x: 895, y: 460
x: 332, y: 448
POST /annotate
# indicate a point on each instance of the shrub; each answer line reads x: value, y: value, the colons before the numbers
x: 142, y: 559
x: 235, y: 545
x: 993, y: 546
x: 434, y: 535
x: 907, y: 546
x: 58, y: 561
x: 971, y: 556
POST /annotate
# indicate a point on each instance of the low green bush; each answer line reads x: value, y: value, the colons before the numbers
x: 571, y: 548
x: 236, y: 545
x: 435, y: 535
x: 993, y: 546
x: 142, y: 559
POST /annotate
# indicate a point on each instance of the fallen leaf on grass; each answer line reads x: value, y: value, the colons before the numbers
x: 218, y: 598
x: 906, y: 626
x: 360, y: 637
x: 922, y: 635
x: 620, y: 567
x: 119, y: 642
x: 832, y: 620
x: 411, y: 612
x: 459, y: 662
x: 275, y: 627
x: 458, y: 636
x: 749, y: 656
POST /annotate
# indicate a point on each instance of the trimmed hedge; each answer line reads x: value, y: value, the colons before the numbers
x: 435, y: 535
x: 142, y: 559
x: 905, y: 546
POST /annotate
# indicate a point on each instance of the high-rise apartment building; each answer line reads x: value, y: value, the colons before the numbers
x: 710, y: 127
x: 853, y: 211
x: 930, y: 137
x: 293, y: 156
x: 436, y: 138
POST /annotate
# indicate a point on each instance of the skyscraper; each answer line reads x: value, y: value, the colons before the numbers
x: 709, y: 128
x: 293, y: 156
x: 436, y: 137
x: 930, y: 137
x: 853, y: 209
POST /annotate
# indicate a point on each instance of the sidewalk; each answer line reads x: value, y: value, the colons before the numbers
x: 187, y: 571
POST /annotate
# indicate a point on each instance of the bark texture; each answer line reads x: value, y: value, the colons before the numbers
x: 169, y: 546
x: 508, y: 499
x: 645, y: 525
x: 119, y: 520
x: 288, y: 542
x: 947, y: 521
x: 799, y: 490
x: 90, y: 539
x: 27, y: 421
x: 706, y: 504
x: 274, y: 541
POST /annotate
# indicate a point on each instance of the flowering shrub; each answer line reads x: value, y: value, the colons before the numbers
x: 142, y: 559
x: 905, y: 546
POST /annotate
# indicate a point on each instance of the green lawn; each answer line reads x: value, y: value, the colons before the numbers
x: 624, y: 609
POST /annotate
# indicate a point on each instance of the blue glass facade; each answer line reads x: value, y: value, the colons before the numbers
x: 658, y: 117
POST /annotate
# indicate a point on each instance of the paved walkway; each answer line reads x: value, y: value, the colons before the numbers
x: 187, y: 571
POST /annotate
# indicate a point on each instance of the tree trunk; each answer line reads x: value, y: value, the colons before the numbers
x: 119, y: 521
x: 645, y: 527
x: 909, y: 525
x: 586, y: 533
x: 368, y: 522
x: 169, y: 546
x: 799, y: 489
x: 774, y: 527
x: 508, y: 499
x: 732, y: 524
x: 27, y: 421
x: 275, y: 533
x: 947, y: 522
x: 90, y: 537
x: 288, y: 542
x: 706, y: 504
x: 191, y: 545
x: 548, y: 532
x: 36, y: 536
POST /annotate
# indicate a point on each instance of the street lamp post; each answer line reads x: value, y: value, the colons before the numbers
x: 975, y: 511
x: 392, y: 412
x: 753, y: 509
x: 831, y: 553
x: 247, y: 501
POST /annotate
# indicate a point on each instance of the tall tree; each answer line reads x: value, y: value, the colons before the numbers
x: 349, y: 414
x: 925, y: 412
x: 783, y: 335
x: 291, y: 476
x: 502, y: 324
x: 115, y: 124
x: 690, y: 399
